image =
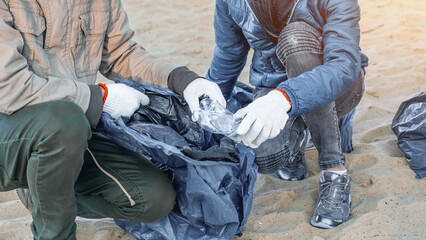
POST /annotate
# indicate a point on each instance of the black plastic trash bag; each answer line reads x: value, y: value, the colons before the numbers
x: 212, y: 176
x: 409, y: 125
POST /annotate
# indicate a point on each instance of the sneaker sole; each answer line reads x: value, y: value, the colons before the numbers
x: 326, y: 226
x: 320, y: 224
x: 294, y: 179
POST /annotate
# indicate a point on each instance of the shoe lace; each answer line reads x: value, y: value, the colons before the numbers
x: 329, y: 191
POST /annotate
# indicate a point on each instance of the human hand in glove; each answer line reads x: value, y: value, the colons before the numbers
x: 122, y: 100
x: 262, y: 119
x: 198, y: 88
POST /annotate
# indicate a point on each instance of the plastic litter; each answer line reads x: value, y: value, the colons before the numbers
x: 409, y: 125
x: 215, y: 118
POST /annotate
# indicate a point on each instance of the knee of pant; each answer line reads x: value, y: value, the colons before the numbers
x: 298, y: 37
x: 66, y: 125
x: 321, y: 113
x: 155, y: 206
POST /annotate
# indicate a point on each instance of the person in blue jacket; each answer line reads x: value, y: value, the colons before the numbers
x: 308, y: 72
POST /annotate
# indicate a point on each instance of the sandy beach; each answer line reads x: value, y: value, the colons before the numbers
x: 388, y: 202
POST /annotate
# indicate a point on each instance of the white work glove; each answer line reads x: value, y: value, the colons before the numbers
x: 198, y: 88
x: 122, y: 100
x: 262, y: 119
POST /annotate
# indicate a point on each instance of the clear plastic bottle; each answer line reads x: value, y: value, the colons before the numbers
x: 215, y: 118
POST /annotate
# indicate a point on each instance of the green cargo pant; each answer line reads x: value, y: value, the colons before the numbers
x: 44, y: 148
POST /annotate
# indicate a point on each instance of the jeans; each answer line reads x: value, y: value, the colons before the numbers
x: 301, y: 56
x: 50, y: 149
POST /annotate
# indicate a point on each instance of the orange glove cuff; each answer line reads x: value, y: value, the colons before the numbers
x: 103, y: 85
x: 285, y: 95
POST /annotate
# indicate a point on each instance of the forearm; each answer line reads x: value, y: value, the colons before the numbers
x: 341, y: 61
x: 180, y: 78
x: 131, y: 61
x: 94, y: 110
x: 225, y: 69
x: 230, y: 52
x: 124, y: 58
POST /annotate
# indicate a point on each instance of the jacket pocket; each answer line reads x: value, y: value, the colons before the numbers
x: 93, y: 27
x: 30, y: 22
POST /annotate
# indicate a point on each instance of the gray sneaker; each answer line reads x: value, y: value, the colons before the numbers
x: 25, y: 197
x: 334, y: 201
x: 295, y: 170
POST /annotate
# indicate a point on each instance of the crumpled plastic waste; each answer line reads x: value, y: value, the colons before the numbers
x: 409, y: 125
x: 215, y: 118
x: 213, y: 177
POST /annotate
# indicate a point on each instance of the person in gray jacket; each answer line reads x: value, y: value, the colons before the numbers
x: 308, y: 71
x: 51, y: 52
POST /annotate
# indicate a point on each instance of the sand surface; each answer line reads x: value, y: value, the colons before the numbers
x: 388, y: 202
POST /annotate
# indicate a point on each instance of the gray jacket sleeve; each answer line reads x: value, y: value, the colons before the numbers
x: 124, y: 58
x: 342, y: 60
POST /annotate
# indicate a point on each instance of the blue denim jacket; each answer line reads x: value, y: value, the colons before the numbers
x: 237, y: 31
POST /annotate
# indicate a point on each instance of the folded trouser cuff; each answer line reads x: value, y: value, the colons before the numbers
x: 271, y: 163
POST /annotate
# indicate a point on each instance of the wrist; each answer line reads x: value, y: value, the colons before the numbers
x: 104, y: 91
x: 287, y: 99
x: 180, y: 78
x: 94, y: 110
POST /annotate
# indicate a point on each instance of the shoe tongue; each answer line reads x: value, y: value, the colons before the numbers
x: 335, y: 190
x: 329, y: 176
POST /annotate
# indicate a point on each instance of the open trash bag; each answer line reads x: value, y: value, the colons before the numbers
x: 213, y: 177
x: 409, y: 125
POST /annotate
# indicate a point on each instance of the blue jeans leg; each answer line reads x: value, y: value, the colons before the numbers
x: 274, y: 153
x: 323, y: 124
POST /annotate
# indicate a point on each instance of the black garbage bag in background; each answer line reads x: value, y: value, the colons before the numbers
x: 409, y: 125
x: 212, y: 176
